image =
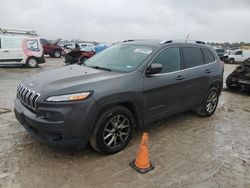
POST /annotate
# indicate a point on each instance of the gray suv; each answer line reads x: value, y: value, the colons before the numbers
x: 128, y: 86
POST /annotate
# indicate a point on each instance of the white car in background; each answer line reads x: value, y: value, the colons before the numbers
x: 68, y: 45
x: 20, y: 47
x: 85, y: 44
x: 238, y: 56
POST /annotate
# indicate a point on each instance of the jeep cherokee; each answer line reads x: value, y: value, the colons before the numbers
x: 129, y: 85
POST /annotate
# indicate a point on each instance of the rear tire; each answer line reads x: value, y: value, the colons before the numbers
x: 31, y: 62
x: 57, y: 54
x: 113, y: 131
x: 209, y: 103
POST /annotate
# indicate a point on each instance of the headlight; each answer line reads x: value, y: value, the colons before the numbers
x: 68, y: 97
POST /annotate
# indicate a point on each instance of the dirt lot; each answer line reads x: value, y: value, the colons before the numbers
x: 187, y: 150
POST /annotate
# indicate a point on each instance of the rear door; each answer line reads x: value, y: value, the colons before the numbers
x: 162, y: 92
x: 196, y: 77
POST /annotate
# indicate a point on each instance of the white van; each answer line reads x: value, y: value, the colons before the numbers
x: 238, y: 56
x: 20, y: 47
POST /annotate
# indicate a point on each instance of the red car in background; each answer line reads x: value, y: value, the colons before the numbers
x: 78, y: 55
x: 52, y: 49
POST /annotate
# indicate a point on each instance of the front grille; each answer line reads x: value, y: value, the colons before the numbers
x: 27, y: 97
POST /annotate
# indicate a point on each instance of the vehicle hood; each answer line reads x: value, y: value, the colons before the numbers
x: 68, y: 79
x: 55, y: 42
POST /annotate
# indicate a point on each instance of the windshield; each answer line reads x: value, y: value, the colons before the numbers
x: 120, y: 57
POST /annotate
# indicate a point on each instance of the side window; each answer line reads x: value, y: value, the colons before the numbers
x: 192, y: 57
x: 169, y: 59
x: 208, y: 56
x: 32, y: 44
x: 238, y: 53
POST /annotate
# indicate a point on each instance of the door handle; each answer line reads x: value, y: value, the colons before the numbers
x: 179, y: 77
x: 6, y: 51
x: 208, y: 71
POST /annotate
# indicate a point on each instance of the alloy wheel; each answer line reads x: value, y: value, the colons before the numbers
x: 57, y: 54
x: 32, y: 62
x: 211, y: 103
x: 116, y: 131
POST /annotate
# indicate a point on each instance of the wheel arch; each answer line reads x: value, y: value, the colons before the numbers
x: 128, y: 103
x: 31, y: 57
x: 218, y: 84
x: 232, y: 58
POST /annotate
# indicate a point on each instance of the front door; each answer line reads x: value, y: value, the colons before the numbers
x: 238, y: 56
x: 162, y: 92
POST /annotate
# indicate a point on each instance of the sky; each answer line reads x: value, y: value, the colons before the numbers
x: 117, y: 20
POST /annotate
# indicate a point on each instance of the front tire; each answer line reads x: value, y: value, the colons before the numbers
x: 31, y: 62
x: 209, y: 103
x: 113, y: 131
x: 231, y: 61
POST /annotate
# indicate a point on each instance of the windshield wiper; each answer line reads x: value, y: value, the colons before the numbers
x: 101, y: 68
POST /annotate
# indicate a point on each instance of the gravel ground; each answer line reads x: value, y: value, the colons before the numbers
x: 187, y: 150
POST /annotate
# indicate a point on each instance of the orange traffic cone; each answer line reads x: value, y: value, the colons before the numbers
x: 142, y: 163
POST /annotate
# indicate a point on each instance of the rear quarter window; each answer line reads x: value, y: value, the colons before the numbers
x: 208, y: 56
x: 192, y: 57
x: 32, y: 44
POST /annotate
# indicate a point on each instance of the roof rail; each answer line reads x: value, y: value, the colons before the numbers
x: 166, y: 41
x: 17, y: 31
x: 200, y: 42
x: 190, y: 41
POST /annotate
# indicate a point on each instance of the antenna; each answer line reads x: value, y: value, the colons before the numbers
x: 187, y: 37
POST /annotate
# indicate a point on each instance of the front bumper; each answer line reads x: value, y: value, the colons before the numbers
x: 244, y: 83
x: 41, y: 59
x: 71, y: 131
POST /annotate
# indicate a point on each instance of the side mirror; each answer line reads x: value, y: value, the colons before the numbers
x: 154, y: 68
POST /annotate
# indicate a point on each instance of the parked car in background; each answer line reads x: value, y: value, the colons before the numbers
x: 240, y: 77
x: 85, y: 44
x: 238, y: 56
x: 52, y: 48
x: 78, y: 55
x: 221, y: 53
x: 100, y: 47
x: 20, y: 47
x: 232, y: 50
x: 69, y: 45
x: 127, y: 86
